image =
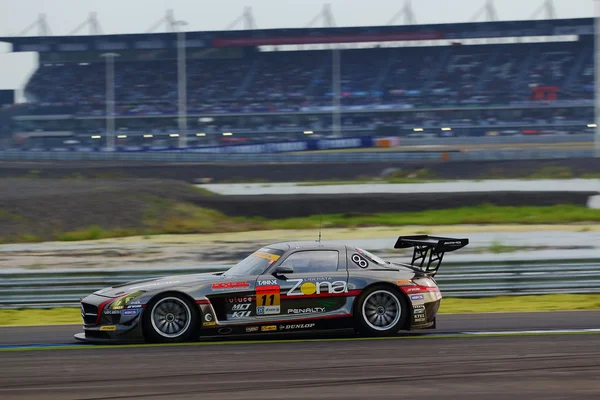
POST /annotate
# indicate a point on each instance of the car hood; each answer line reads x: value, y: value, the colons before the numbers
x: 160, y: 283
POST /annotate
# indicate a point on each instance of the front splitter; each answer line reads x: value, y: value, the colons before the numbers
x: 82, y: 338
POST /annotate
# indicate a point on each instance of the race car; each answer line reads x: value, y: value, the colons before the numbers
x: 283, y: 287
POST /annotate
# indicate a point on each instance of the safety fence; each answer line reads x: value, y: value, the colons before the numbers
x: 56, y: 288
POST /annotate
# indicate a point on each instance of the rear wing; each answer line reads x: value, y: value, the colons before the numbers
x: 435, y: 246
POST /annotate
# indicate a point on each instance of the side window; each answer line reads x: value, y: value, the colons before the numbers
x: 313, y: 261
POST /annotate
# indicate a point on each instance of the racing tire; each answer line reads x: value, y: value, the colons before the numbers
x: 171, y: 318
x: 380, y: 311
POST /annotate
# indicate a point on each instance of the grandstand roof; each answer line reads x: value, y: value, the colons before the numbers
x: 292, y: 36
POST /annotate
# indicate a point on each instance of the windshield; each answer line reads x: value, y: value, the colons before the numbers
x: 371, y: 257
x: 256, y: 263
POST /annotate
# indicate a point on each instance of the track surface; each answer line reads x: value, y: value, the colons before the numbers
x: 556, y: 320
x: 529, y: 367
x: 548, y: 367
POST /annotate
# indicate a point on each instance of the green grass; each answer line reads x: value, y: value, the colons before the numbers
x: 484, y: 214
x: 552, y: 302
x: 164, y: 217
x: 498, y: 247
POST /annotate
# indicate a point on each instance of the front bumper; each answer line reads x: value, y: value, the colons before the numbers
x: 105, y: 325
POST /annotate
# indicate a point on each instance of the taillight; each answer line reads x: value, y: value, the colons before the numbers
x: 425, y: 282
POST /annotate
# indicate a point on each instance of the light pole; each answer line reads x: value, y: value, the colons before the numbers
x: 336, y: 86
x: 182, y: 83
x: 110, y: 99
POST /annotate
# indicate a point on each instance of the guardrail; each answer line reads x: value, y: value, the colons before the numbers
x: 320, y: 157
x: 52, y: 288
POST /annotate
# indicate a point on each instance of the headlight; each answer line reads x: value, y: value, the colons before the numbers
x: 122, y: 302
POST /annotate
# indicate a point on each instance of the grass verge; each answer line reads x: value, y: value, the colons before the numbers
x: 184, y: 218
x: 552, y: 302
x: 483, y: 214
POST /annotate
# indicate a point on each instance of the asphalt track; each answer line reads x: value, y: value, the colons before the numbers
x: 550, y: 366
x: 447, y: 323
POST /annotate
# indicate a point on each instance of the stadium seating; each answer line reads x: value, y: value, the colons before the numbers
x: 276, y: 81
x: 380, y: 88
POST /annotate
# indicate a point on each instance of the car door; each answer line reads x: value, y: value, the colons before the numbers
x: 310, y: 283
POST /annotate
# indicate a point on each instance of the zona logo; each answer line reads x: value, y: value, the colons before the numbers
x: 302, y: 288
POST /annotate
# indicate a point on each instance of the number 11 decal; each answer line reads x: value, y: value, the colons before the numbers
x: 268, y: 300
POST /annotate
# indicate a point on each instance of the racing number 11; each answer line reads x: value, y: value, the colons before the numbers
x: 267, y: 296
x: 263, y: 300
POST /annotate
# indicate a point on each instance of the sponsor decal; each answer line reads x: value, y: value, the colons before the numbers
x: 303, y: 288
x: 112, y: 312
x: 240, y: 314
x: 438, y: 295
x: 209, y: 323
x: 241, y: 307
x: 414, y: 289
x: 419, y: 309
x: 358, y: 260
x: 130, y: 312
x: 134, y: 306
x: 266, y: 310
x: 322, y: 278
x: 230, y: 285
x: 305, y: 310
x: 417, y: 297
x: 296, y: 326
x: 239, y: 299
x: 108, y: 328
x: 268, y: 328
x: 251, y: 329
x: 208, y: 317
x: 403, y: 282
x: 241, y: 310
x: 271, y: 282
x: 266, y: 256
x: 420, y: 318
x: 268, y: 300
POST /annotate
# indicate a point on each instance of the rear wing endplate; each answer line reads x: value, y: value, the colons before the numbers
x: 435, y: 246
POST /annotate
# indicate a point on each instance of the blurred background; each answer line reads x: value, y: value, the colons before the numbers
x: 238, y: 124
x: 146, y: 138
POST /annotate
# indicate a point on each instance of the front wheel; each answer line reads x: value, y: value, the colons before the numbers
x: 380, y: 311
x: 171, y: 319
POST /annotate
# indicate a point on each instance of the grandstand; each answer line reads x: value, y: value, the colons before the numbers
x: 468, y: 79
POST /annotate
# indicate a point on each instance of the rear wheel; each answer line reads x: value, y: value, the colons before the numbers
x: 380, y: 311
x: 171, y: 318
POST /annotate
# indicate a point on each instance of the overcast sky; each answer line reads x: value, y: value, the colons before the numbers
x: 134, y: 16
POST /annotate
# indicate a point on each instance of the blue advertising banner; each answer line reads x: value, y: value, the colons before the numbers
x: 255, y: 148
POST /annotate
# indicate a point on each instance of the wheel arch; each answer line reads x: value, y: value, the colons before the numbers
x: 391, y: 286
x: 166, y: 293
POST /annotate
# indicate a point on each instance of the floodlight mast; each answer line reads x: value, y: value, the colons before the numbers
x: 41, y: 24
x: 182, y: 82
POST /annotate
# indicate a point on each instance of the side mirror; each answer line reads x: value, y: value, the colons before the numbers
x: 283, y: 270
